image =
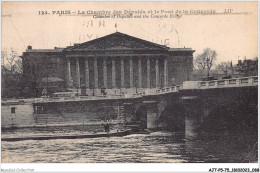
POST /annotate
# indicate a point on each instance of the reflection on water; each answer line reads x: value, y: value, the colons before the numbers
x: 151, y: 148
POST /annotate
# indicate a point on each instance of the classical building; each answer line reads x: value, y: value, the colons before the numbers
x: 115, y: 62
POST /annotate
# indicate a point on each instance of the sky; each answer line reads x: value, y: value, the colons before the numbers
x: 233, y: 36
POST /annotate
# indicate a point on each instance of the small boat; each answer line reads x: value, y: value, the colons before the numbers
x: 144, y: 131
x: 74, y: 136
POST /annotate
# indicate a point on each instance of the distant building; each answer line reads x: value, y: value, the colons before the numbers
x: 115, y: 62
x: 248, y: 67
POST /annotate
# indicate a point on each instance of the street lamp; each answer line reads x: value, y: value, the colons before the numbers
x: 207, y: 68
x: 226, y: 71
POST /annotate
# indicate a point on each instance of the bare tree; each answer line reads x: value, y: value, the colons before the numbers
x: 199, y: 63
x: 11, y: 61
x: 3, y: 58
x: 206, y: 59
x: 18, y: 66
x: 226, y: 67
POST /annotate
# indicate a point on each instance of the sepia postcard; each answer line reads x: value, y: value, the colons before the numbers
x: 88, y: 82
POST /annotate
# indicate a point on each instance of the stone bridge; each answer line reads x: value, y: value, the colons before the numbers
x: 223, y: 105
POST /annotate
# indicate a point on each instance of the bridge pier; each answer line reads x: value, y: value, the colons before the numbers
x: 165, y: 115
x: 152, y: 113
x: 193, y: 116
x: 191, y: 125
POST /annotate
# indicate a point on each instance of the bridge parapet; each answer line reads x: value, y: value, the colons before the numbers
x: 169, y: 89
x: 233, y: 82
x: 81, y: 98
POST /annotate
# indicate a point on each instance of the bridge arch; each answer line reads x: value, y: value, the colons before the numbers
x: 172, y: 117
x: 231, y: 118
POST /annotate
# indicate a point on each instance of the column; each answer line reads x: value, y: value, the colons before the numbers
x: 148, y: 73
x: 113, y: 73
x: 139, y: 72
x: 157, y: 80
x: 86, y: 73
x: 95, y: 73
x: 105, y: 72
x: 131, y: 73
x: 68, y: 75
x: 165, y: 72
x: 122, y: 73
x: 77, y: 73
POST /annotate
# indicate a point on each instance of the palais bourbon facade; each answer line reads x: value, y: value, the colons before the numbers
x: 117, y: 62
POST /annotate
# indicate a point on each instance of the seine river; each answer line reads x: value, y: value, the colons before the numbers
x: 159, y: 146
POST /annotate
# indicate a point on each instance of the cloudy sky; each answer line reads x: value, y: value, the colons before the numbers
x: 233, y: 36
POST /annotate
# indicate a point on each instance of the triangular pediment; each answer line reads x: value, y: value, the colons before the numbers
x: 117, y: 41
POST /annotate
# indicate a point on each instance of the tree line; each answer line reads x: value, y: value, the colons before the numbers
x: 206, y: 61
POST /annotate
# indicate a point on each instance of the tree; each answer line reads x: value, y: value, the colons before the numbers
x: 11, y: 67
x: 18, y: 66
x: 11, y: 61
x: 226, y: 67
x: 206, y: 59
x: 3, y: 60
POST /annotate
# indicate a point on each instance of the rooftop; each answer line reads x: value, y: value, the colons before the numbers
x: 180, y: 49
x: 45, y: 50
x: 98, y: 41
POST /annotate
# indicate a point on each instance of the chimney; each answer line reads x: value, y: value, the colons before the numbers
x: 29, y: 47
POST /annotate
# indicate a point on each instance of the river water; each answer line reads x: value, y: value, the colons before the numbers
x: 156, y: 147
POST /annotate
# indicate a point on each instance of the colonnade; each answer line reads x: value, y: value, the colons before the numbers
x: 113, y: 72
